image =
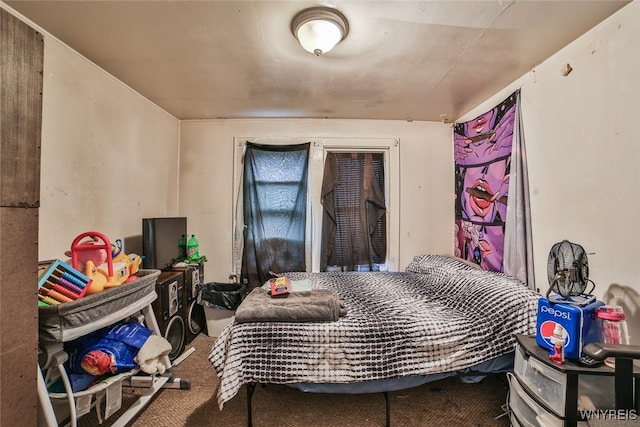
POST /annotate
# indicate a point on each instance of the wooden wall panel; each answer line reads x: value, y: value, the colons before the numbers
x: 21, y: 66
x: 21, y: 63
x: 18, y: 316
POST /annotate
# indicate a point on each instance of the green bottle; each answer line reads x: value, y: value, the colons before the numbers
x: 182, y: 248
x: 193, y: 250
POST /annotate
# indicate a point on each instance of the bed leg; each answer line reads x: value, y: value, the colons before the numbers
x: 388, y: 414
x: 250, y: 389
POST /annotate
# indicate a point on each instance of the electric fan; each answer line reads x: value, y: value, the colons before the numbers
x: 568, y: 273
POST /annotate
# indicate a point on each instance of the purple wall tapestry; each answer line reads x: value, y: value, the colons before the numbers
x: 482, y: 163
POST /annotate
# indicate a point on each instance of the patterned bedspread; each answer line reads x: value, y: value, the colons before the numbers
x: 439, y: 315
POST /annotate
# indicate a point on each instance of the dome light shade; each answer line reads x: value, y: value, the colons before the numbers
x: 319, y: 29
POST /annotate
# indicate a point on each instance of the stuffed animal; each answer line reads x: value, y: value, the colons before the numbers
x: 151, y: 354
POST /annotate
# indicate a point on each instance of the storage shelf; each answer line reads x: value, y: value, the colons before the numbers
x: 544, y: 393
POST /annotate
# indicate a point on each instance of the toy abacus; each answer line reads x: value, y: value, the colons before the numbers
x: 61, y: 283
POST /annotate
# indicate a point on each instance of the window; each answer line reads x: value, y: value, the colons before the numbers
x: 274, y: 194
x: 386, y: 150
x: 354, y: 236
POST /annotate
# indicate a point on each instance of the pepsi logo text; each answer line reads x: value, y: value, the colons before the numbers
x: 556, y: 313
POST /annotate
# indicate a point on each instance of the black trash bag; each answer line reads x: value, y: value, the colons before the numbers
x: 222, y: 295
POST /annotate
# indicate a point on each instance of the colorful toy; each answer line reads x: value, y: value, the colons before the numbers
x: 131, y: 261
x: 129, y: 264
x: 116, y: 248
x: 61, y: 283
x: 118, y: 268
x: 97, y: 254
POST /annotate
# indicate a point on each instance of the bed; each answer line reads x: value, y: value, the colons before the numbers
x: 439, y: 317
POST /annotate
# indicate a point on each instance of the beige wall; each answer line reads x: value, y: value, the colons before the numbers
x: 583, y: 150
x: 109, y: 156
x: 584, y: 156
x: 426, y: 179
x: 583, y: 153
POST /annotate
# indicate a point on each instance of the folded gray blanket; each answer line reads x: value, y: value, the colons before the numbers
x: 319, y: 305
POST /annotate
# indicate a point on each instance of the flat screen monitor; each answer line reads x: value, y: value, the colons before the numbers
x: 160, y: 237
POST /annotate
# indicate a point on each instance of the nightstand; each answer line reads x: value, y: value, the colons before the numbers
x: 543, y: 393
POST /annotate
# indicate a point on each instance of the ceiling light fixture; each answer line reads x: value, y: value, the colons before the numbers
x: 319, y: 29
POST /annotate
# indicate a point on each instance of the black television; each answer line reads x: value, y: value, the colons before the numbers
x: 160, y: 237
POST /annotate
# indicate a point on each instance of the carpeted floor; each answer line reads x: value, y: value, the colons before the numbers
x: 448, y: 403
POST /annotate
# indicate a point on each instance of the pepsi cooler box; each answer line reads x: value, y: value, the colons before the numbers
x: 577, y: 321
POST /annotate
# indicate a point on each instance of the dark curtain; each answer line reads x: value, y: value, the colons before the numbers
x: 275, y: 200
x: 354, y: 211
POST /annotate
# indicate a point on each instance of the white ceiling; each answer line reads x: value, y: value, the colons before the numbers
x: 413, y: 60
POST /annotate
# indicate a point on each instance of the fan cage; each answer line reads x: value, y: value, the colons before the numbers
x: 568, y: 269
